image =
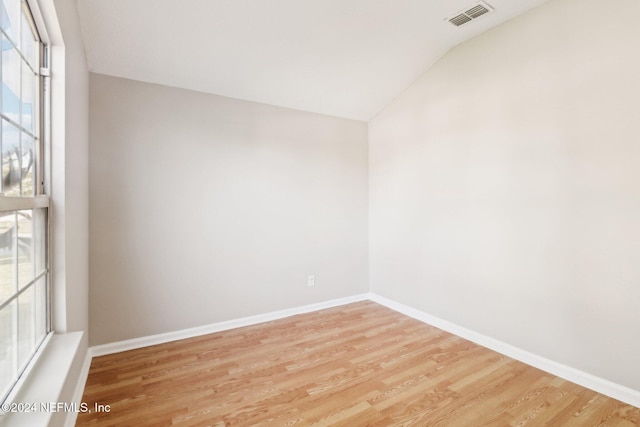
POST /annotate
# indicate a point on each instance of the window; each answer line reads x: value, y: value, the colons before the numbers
x: 24, y: 301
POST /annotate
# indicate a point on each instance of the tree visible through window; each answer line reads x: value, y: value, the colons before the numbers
x: 24, y: 304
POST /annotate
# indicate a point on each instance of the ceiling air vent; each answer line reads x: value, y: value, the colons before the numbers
x: 470, y: 13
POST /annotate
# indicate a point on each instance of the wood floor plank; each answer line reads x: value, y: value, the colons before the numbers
x: 356, y: 365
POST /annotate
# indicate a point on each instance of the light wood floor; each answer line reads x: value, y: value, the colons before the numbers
x: 355, y: 365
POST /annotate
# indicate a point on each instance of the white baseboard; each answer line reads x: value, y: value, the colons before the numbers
x: 79, y: 390
x: 132, y: 344
x: 600, y: 385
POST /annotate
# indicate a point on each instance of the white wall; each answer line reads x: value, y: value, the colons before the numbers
x: 69, y: 171
x: 505, y: 187
x: 205, y: 208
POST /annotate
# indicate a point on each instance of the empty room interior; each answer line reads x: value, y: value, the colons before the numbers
x: 321, y: 212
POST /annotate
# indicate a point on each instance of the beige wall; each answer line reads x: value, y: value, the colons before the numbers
x: 505, y: 187
x: 205, y: 208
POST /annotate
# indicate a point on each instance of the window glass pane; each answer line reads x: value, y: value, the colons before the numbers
x: 8, y: 361
x: 40, y: 298
x: 39, y: 240
x: 11, y: 159
x: 26, y: 271
x: 8, y: 255
x: 23, y: 234
x: 10, y: 81
x: 1, y: 157
x: 26, y: 326
x: 11, y: 18
x: 28, y: 97
x: 28, y: 42
x: 27, y: 165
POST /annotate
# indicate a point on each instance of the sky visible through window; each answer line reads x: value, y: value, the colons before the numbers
x: 19, y: 81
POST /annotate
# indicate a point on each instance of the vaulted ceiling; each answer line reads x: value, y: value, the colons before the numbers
x: 346, y: 58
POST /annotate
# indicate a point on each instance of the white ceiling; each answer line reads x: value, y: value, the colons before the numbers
x: 346, y: 58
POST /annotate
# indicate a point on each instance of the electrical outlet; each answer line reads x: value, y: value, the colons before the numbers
x: 311, y: 281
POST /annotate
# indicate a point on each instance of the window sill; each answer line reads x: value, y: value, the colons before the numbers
x: 52, y: 379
